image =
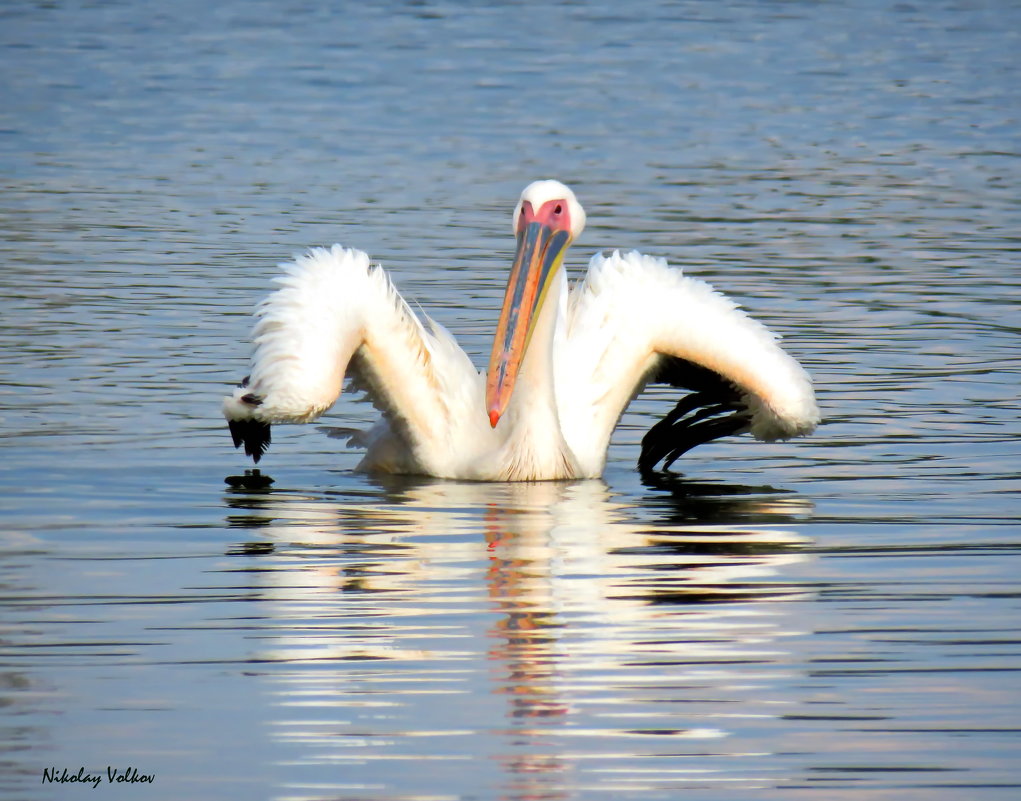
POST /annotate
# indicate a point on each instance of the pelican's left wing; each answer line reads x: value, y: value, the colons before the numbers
x: 336, y: 314
x: 634, y: 320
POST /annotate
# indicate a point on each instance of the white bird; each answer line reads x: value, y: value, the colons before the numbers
x: 564, y: 366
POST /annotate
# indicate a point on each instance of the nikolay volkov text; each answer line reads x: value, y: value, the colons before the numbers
x: 112, y: 776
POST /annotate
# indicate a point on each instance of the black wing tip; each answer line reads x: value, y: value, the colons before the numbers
x: 714, y: 408
x: 253, y: 434
x: 669, y: 440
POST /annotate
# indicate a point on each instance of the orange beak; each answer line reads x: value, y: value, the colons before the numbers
x: 542, y: 241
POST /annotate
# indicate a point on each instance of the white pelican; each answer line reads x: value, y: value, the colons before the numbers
x: 565, y: 362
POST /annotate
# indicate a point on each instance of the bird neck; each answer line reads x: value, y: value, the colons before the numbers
x: 534, y: 395
x: 534, y: 434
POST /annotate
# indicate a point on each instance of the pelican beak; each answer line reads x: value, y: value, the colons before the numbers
x: 541, y: 247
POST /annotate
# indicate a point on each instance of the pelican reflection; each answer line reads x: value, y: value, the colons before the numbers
x: 569, y: 601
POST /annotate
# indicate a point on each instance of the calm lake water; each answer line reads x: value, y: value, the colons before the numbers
x: 832, y: 618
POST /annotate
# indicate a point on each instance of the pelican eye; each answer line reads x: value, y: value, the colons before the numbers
x: 557, y: 209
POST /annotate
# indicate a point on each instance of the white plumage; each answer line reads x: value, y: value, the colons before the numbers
x: 565, y: 364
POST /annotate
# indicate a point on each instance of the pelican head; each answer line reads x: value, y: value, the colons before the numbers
x: 547, y: 218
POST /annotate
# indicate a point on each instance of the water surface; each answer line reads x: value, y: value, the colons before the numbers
x: 831, y: 618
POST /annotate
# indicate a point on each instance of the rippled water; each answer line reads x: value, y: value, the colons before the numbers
x: 832, y: 618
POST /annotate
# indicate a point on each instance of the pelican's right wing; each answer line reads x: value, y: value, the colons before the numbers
x: 335, y: 314
x: 634, y: 320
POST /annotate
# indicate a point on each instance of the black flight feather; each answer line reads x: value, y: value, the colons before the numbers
x: 253, y: 434
x: 714, y: 409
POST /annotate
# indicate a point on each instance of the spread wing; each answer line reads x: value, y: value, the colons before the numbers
x: 334, y: 314
x: 633, y: 320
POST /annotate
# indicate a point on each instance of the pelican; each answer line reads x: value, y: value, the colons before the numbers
x: 565, y: 363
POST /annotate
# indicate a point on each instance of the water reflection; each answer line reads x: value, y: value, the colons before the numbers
x: 581, y: 619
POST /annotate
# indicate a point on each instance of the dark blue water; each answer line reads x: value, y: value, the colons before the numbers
x: 832, y: 618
